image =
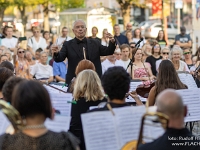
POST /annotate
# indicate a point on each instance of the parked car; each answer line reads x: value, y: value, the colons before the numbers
x: 152, y: 30
x: 143, y: 25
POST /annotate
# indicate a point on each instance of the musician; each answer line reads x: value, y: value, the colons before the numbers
x: 9, y: 86
x: 171, y: 104
x: 8, y: 65
x: 33, y: 103
x: 5, y: 74
x: 167, y: 78
x: 87, y: 92
x: 73, y: 50
x: 116, y: 82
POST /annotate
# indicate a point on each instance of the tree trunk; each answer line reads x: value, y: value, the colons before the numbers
x: 2, y: 9
x: 46, y: 16
x: 126, y: 8
x: 24, y: 17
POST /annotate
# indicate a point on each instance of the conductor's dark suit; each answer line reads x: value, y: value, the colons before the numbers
x: 73, y: 50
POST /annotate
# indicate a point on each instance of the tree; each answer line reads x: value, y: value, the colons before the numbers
x: 125, y: 6
x: 3, y: 5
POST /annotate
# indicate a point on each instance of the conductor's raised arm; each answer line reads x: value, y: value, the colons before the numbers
x: 104, y: 50
x: 59, y: 56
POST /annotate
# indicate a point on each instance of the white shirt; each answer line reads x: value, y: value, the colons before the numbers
x: 141, y: 43
x: 107, y: 64
x: 126, y: 63
x: 158, y: 63
x: 42, y: 71
x: 183, y: 66
x: 35, y: 45
x: 60, y: 40
x: 9, y: 42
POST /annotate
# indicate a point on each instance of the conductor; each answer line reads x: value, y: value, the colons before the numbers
x: 80, y: 47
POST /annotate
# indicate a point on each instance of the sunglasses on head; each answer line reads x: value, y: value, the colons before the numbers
x: 187, y: 53
x: 21, y: 52
x: 165, y: 53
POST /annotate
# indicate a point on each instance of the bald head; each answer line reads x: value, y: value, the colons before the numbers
x: 129, y: 26
x: 170, y: 103
x: 78, y: 21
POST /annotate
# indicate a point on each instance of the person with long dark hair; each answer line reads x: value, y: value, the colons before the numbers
x: 161, y: 39
x: 167, y: 78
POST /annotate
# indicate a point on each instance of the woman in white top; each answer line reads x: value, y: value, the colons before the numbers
x: 176, y: 55
x: 36, y: 41
x: 42, y: 71
x: 137, y: 36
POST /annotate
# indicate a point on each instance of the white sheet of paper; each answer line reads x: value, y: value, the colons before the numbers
x: 191, y: 98
x: 60, y: 102
x: 133, y: 87
x: 4, y: 123
x: 58, y: 124
x: 99, y: 131
x: 123, y: 127
x: 188, y: 80
x: 51, y: 90
x: 63, y: 88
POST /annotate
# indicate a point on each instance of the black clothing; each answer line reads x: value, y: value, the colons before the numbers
x: 50, y: 140
x: 152, y: 60
x: 113, y: 105
x: 77, y: 109
x: 165, y: 142
x: 74, y: 53
x: 190, y: 65
x: 96, y: 38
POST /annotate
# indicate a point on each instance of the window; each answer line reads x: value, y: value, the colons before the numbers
x: 169, y: 26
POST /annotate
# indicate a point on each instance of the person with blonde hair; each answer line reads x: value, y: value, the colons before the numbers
x: 36, y: 41
x: 87, y: 92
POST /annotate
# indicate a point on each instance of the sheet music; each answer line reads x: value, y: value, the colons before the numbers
x: 58, y: 124
x: 51, y: 90
x: 60, y: 102
x: 99, y: 129
x: 188, y: 80
x: 191, y: 98
x: 4, y: 123
x: 133, y: 87
x: 128, y: 122
x: 61, y: 87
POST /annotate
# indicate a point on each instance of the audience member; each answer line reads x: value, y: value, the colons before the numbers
x: 176, y: 55
x: 137, y: 36
x: 171, y: 104
x: 129, y: 36
x: 46, y: 36
x: 147, y: 51
x: 161, y: 39
x: 87, y: 92
x: 42, y: 71
x: 8, y: 53
x: 183, y: 39
x: 104, y: 39
x: 167, y: 78
x: 117, y: 53
x: 60, y: 70
x: 29, y: 58
x: 187, y: 53
x: 64, y: 37
x: 165, y: 55
x: 36, y: 41
x: 33, y: 103
x: 37, y: 54
x: 111, y: 61
x: 125, y: 57
x: 129, y: 28
x: 154, y: 57
x: 94, y: 34
x: 120, y: 38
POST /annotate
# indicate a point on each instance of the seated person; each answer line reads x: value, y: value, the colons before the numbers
x: 3, y: 58
x: 37, y: 54
x: 171, y: 104
x: 116, y: 84
x: 60, y: 70
x: 111, y: 61
x: 9, y: 86
x: 87, y: 92
x: 42, y: 71
x: 8, y: 65
x: 5, y: 74
x: 33, y: 103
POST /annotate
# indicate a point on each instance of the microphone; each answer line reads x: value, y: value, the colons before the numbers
x: 139, y: 42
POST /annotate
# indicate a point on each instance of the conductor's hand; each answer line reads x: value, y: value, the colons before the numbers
x: 110, y: 37
x: 54, y: 49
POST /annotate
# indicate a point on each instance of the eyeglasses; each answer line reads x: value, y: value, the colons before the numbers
x: 187, y: 53
x: 165, y: 53
x: 21, y: 52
